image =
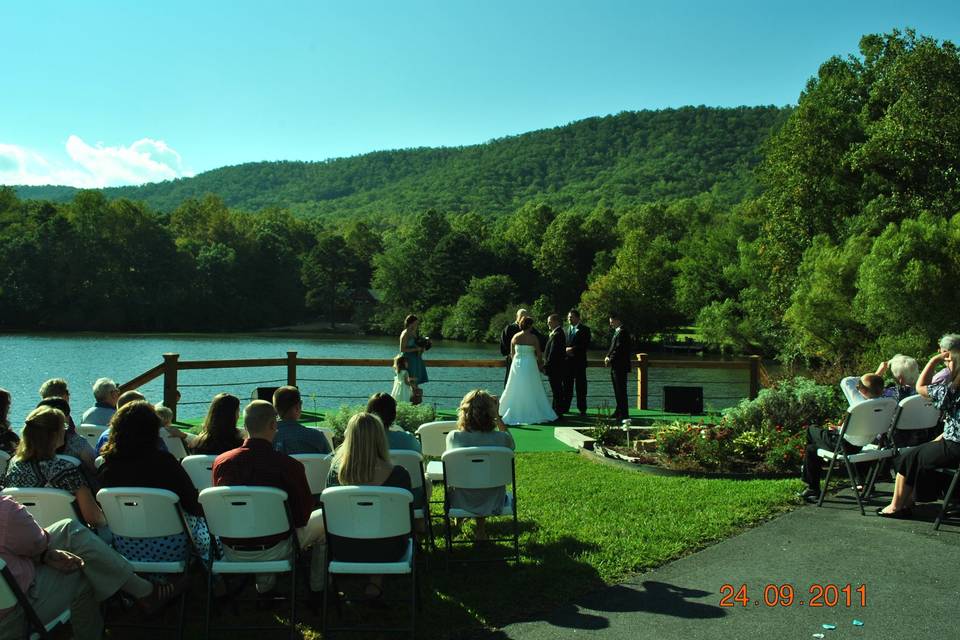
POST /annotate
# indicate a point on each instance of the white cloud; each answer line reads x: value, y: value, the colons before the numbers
x: 146, y: 160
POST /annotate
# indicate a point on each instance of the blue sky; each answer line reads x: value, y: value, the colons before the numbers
x: 104, y: 93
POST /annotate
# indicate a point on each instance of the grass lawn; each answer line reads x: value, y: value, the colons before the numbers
x: 582, y: 525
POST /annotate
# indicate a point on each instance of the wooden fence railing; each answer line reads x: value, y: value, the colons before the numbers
x: 172, y: 365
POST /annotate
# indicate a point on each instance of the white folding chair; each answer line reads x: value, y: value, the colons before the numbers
x: 863, y: 424
x: 366, y: 513
x: 241, y: 512
x: 11, y: 595
x: 45, y: 505
x: 175, y: 446
x: 4, y: 460
x: 433, y: 442
x: 91, y: 433
x: 915, y: 413
x: 317, y: 466
x: 480, y: 468
x: 200, y: 470
x: 328, y: 434
x: 71, y: 459
x: 412, y: 461
x: 138, y: 512
x: 946, y: 499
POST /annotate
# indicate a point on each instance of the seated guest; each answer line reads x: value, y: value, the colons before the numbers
x: 36, y: 464
x: 293, y: 437
x: 125, y: 398
x: 166, y: 417
x: 867, y: 387
x: 364, y: 459
x: 385, y: 407
x: 57, y: 388
x: 904, y: 370
x: 67, y: 567
x: 73, y: 443
x: 479, y: 425
x: 8, y: 438
x: 256, y: 463
x: 105, y: 395
x: 944, y: 451
x: 219, y: 433
x: 949, y: 342
x: 131, y: 459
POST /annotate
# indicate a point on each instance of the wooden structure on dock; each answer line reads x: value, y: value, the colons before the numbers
x: 172, y: 365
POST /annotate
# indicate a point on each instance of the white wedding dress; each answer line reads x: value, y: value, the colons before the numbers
x: 524, y: 400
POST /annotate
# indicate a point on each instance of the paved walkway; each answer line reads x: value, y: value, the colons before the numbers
x: 911, y: 573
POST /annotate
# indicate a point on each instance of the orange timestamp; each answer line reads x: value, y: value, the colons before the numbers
x: 785, y: 595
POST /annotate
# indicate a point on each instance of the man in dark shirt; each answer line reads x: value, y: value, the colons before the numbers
x: 618, y: 359
x: 255, y: 463
x: 292, y: 437
x: 578, y: 341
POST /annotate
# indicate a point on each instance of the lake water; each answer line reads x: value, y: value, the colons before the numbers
x: 26, y: 360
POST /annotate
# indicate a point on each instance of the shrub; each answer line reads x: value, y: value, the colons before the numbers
x: 409, y: 416
x: 790, y: 405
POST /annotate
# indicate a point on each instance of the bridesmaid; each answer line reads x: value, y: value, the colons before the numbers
x: 412, y: 351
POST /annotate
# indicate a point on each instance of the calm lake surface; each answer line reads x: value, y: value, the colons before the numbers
x: 27, y: 360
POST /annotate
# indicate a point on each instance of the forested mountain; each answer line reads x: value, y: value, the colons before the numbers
x: 620, y: 160
x: 829, y: 232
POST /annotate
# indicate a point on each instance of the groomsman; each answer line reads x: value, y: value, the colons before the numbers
x: 578, y: 341
x: 555, y: 362
x: 618, y: 359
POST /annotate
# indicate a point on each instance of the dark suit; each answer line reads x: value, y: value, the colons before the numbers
x: 555, y: 366
x: 506, y: 336
x: 621, y: 355
x: 576, y: 374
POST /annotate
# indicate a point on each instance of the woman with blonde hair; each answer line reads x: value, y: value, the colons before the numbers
x: 219, y: 432
x: 364, y: 459
x: 35, y: 463
x: 479, y: 425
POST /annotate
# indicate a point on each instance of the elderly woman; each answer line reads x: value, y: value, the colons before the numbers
x: 944, y: 451
x: 479, y: 425
x: 219, y: 432
x: 36, y: 464
x: 904, y: 370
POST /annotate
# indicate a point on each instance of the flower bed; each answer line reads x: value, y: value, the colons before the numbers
x: 765, y: 436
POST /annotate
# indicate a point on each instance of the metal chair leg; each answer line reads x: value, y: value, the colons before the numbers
x: 826, y: 482
x: 853, y: 485
x: 946, y: 500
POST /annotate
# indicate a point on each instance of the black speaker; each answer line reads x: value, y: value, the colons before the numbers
x: 263, y: 393
x: 683, y: 400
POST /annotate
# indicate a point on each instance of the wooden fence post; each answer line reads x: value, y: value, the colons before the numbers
x: 754, y: 376
x: 170, y: 382
x: 642, y: 380
x: 292, y: 368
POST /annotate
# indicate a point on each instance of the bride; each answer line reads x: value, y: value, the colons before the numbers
x: 524, y: 401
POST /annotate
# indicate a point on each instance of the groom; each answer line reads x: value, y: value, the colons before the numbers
x: 555, y: 362
x: 578, y: 341
x: 618, y: 360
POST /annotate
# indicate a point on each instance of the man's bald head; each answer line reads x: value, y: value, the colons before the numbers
x: 260, y: 419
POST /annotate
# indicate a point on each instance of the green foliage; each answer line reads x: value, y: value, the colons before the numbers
x: 409, y: 417
x: 790, y: 405
x: 470, y: 317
